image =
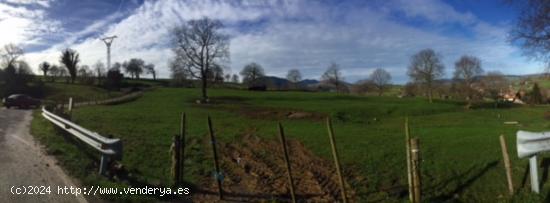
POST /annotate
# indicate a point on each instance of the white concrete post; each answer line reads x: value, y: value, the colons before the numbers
x: 534, y: 174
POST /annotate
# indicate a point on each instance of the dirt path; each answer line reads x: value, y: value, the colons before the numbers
x: 254, y: 171
x: 24, y: 163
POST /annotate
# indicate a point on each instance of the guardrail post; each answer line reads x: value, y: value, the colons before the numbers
x: 534, y: 174
x: 103, y: 164
x: 110, y: 149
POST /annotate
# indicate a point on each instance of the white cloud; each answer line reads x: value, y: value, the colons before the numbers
x: 42, y: 3
x: 303, y: 34
x: 433, y: 10
x: 24, y: 26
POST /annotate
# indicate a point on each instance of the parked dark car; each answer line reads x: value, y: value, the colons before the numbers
x: 21, y: 101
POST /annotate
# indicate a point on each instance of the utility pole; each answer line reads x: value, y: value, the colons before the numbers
x: 108, y: 41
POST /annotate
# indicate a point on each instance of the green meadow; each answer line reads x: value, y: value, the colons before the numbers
x: 460, y: 151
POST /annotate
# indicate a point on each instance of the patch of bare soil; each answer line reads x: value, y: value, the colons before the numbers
x: 268, y: 113
x: 255, y: 171
x: 239, y: 105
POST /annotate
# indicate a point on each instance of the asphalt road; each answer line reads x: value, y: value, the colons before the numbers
x: 23, y: 162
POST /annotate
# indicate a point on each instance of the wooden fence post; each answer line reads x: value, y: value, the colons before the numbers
x: 218, y: 175
x: 288, y: 169
x: 507, y: 165
x: 182, y: 143
x: 336, y: 160
x: 408, y: 148
x: 415, y: 162
x: 174, y: 149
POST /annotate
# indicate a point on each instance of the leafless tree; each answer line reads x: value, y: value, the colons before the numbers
x: 425, y: 68
x: 150, y: 68
x: 44, y: 67
x: 251, y: 73
x: 235, y: 78
x: 116, y: 66
x: 215, y: 74
x: 380, y: 79
x: 227, y: 77
x: 100, y: 70
x: 179, y: 73
x: 70, y: 59
x: 532, y: 31
x: 495, y: 86
x: 201, y: 46
x: 134, y: 67
x: 54, y: 72
x: 333, y: 76
x: 10, y: 54
x: 467, y: 68
x: 294, y: 76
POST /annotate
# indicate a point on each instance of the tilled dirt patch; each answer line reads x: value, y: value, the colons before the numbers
x: 254, y: 171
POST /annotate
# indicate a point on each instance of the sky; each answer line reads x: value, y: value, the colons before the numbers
x: 308, y: 35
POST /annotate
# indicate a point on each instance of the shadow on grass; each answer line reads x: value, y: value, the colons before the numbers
x: 465, y: 180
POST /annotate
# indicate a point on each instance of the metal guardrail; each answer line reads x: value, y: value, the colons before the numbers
x: 110, y: 148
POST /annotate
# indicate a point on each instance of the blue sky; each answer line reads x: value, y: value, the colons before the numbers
x: 308, y: 35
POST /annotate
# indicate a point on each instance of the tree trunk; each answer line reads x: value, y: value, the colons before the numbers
x: 204, y: 86
x: 430, y: 94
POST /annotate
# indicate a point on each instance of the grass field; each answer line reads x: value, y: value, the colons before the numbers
x: 62, y: 92
x: 461, y: 157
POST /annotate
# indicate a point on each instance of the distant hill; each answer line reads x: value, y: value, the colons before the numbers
x: 308, y: 82
x: 282, y: 83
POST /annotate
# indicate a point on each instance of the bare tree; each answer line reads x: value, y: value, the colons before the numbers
x: 425, y: 68
x: 251, y: 73
x: 54, y: 72
x: 333, y: 76
x: 179, y: 73
x: 150, y: 68
x: 116, y: 66
x: 10, y: 54
x: 380, y: 79
x: 200, y: 45
x: 215, y: 74
x: 532, y: 31
x: 235, y: 78
x: 63, y: 73
x: 83, y: 70
x: 100, y: 70
x: 134, y: 67
x: 294, y: 76
x: 466, y: 69
x: 44, y: 67
x: 227, y: 77
x: 495, y: 86
x: 70, y: 59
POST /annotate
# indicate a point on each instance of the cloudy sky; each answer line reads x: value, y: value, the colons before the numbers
x: 358, y: 35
